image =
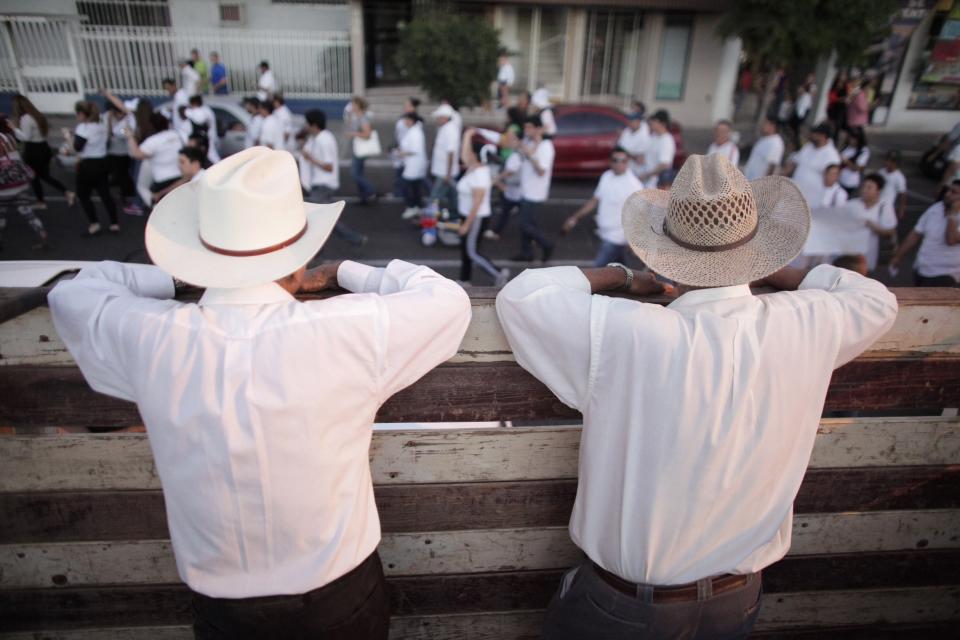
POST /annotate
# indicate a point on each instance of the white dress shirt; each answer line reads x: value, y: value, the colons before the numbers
x: 447, y: 142
x: 190, y: 80
x: 414, y: 143
x: 259, y: 408
x: 635, y: 143
x: 728, y: 149
x: 811, y: 161
x: 323, y: 148
x: 271, y: 133
x: 699, y: 417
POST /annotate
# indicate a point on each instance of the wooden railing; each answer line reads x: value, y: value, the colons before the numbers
x: 474, y: 521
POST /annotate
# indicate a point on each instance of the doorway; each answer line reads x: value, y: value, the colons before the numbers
x: 382, y: 21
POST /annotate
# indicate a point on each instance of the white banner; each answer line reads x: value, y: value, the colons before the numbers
x: 836, y: 231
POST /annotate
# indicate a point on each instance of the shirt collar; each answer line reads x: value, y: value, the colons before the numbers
x: 703, y: 296
x: 269, y: 293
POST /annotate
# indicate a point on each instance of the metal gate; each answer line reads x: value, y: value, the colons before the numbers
x: 40, y: 52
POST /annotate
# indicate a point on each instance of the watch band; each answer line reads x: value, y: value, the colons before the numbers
x: 627, y: 270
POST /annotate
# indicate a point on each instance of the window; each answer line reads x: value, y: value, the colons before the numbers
x: 674, y: 54
x: 585, y: 123
x: 611, y: 61
x: 226, y: 121
x: 125, y: 13
x: 231, y: 14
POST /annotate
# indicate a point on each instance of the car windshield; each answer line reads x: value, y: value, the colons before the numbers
x: 579, y: 123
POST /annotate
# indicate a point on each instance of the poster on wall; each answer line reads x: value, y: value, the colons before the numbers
x: 893, y: 49
x: 938, y: 84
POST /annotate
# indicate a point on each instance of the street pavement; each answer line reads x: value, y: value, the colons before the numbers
x: 390, y: 237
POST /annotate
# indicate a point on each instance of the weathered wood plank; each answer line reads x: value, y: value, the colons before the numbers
x: 861, y: 577
x: 29, y: 566
x: 173, y: 632
x: 139, y: 515
x: 924, y: 324
x: 59, y: 396
x: 72, y: 462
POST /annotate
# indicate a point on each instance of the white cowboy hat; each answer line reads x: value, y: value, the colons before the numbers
x: 716, y: 229
x: 243, y: 223
x: 444, y: 111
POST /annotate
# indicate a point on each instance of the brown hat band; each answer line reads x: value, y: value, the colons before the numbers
x: 255, y: 252
x: 711, y: 248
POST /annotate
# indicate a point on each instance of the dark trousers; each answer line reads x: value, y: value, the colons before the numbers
x: 120, y: 167
x: 414, y: 191
x: 937, y: 281
x: 355, y: 606
x: 506, y: 208
x: 587, y: 607
x: 324, y: 195
x: 93, y: 174
x: 530, y: 230
x: 37, y: 156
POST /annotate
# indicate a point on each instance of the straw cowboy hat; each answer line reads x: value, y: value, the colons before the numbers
x: 243, y: 223
x: 716, y: 229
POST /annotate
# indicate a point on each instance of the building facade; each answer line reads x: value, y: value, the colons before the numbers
x: 665, y: 53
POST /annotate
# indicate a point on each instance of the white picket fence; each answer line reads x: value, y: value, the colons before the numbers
x: 135, y: 60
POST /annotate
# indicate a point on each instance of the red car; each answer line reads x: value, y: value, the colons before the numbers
x: 586, y: 134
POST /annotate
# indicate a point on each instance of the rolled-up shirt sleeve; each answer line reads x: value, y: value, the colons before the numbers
x: 865, y: 308
x: 422, y: 320
x: 91, y: 312
x: 545, y: 314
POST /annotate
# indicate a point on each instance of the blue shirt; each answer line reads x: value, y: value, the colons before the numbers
x: 218, y: 73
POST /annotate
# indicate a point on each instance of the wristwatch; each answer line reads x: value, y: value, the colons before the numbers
x: 627, y: 270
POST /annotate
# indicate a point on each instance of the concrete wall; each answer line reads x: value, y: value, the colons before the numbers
x: 262, y: 14
x: 706, y: 70
x: 920, y: 120
x: 39, y: 6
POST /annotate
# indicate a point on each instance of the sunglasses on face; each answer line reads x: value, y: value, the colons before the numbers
x: 618, y: 159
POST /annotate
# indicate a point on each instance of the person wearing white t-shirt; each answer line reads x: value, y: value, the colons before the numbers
x: 190, y: 161
x: 658, y: 159
x: 189, y: 78
x: 536, y: 171
x: 179, y: 101
x: 473, y: 204
x: 541, y: 102
x: 723, y: 143
x: 877, y: 216
x: 252, y: 134
x: 320, y: 171
x: 895, y: 185
x: 413, y: 154
x: 118, y: 118
x: 807, y: 166
x: 938, y: 233
x: 271, y: 131
x: 266, y: 83
x: 853, y: 160
x: 634, y: 140
x: 89, y: 142
x: 831, y: 194
x: 508, y: 182
x: 616, y: 185
x: 282, y: 113
x: 767, y: 152
x: 204, y: 122
x: 410, y: 105
x: 505, y: 79
x: 445, y: 161
x: 162, y: 149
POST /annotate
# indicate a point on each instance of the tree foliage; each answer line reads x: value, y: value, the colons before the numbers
x: 450, y: 56
x: 789, y: 32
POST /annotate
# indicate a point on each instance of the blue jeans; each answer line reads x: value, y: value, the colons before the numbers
x: 364, y: 188
x: 444, y: 193
x: 587, y: 607
x: 610, y: 252
x: 530, y: 230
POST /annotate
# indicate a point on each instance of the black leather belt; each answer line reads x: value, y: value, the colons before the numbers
x: 674, y: 593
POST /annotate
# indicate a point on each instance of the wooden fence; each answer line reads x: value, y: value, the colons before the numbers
x: 474, y: 520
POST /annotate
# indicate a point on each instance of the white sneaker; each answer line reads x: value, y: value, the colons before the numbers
x: 410, y: 212
x: 490, y: 234
x: 503, y: 278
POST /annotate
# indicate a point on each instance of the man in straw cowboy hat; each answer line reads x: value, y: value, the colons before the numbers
x: 259, y: 407
x: 699, y: 417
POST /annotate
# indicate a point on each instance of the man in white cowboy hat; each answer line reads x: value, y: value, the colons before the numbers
x: 699, y: 417
x: 445, y: 161
x: 259, y: 407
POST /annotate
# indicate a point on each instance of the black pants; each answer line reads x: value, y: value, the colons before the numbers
x: 355, y: 606
x: 937, y: 281
x: 93, y: 174
x: 120, y: 170
x: 530, y: 230
x: 37, y: 156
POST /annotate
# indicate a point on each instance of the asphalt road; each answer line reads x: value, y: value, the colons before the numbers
x: 389, y: 236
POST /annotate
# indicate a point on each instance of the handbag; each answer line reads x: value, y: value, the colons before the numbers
x: 14, y: 173
x: 367, y: 147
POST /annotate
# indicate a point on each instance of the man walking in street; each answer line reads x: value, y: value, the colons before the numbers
x: 698, y: 418
x: 767, y: 152
x: 938, y: 233
x: 536, y: 171
x: 445, y: 161
x: 807, y: 166
x: 723, y: 142
x: 634, y: 139
x: 218, y: 75
x: 616, y: 185
x: 660, y: 153
x: 259, y: 408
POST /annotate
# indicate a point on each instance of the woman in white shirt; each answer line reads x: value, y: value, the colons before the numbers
x: 30, y: 127
x: 878, y: 216
x: 854, y: 159
x: 162, y: 149
x: 413, y: 154
x: 89, y: 142
x: 473, y: 203
x: 16, y: 195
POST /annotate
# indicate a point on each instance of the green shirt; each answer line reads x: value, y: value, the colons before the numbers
x: 201, y: 67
